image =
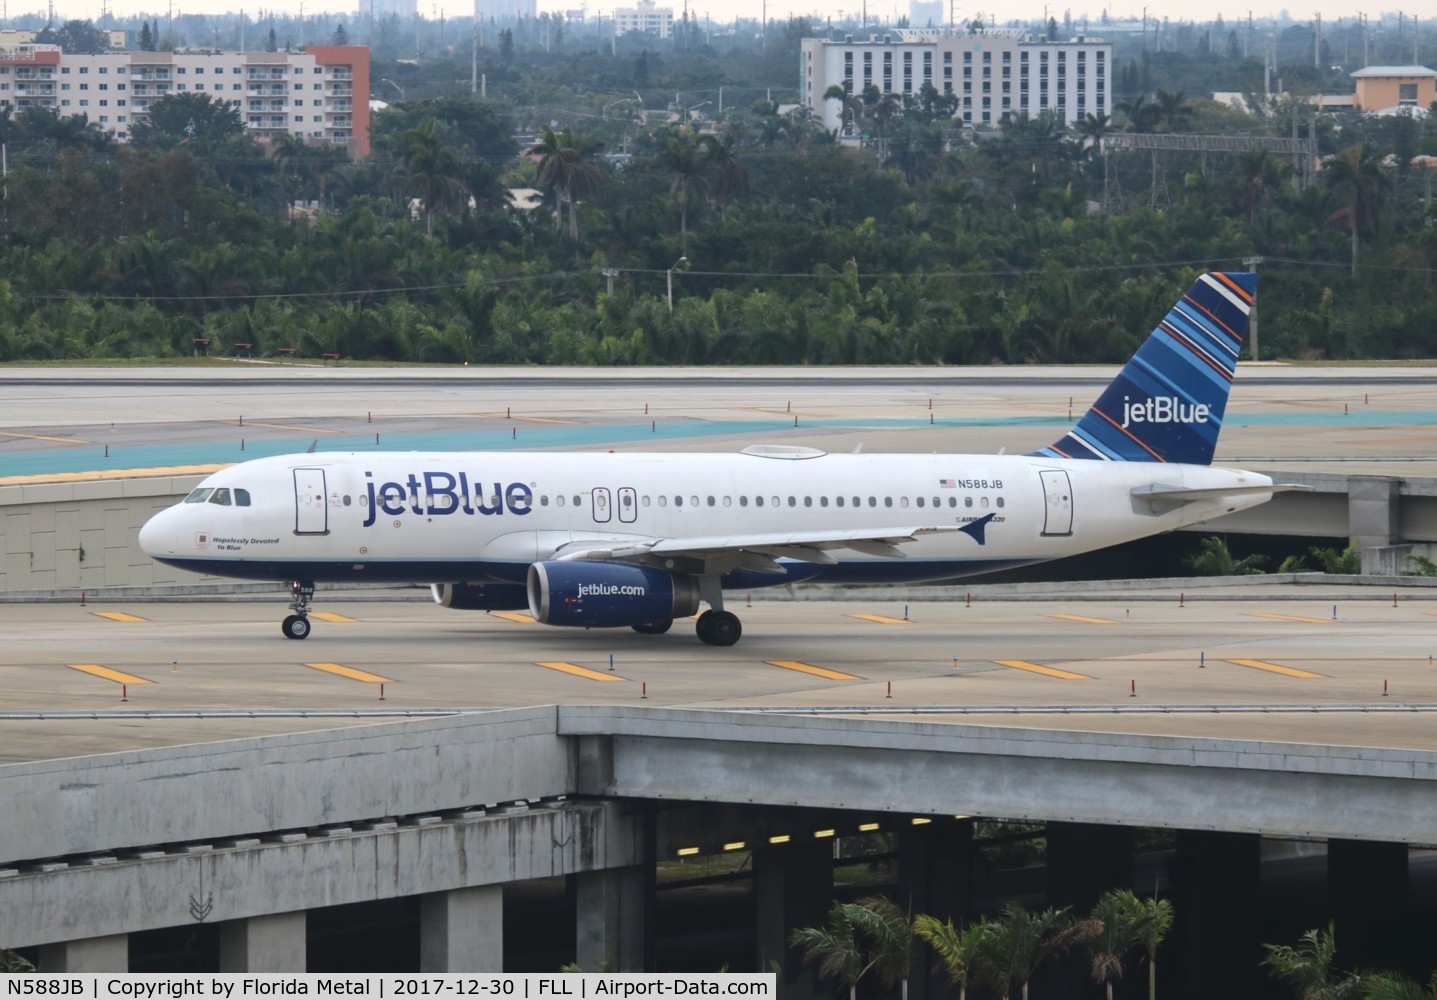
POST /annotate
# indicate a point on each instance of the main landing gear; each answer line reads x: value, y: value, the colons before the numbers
x: 297, y: 626
x: 719, y: 628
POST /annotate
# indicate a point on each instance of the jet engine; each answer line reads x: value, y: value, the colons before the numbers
x: 607, y: 594
x: 480, y: 596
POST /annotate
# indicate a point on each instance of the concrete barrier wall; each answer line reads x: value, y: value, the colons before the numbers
x: 230, y: 883
x: 246, y: 787
x: 84, y: 535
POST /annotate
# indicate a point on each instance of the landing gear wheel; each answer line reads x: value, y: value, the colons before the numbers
x: 653, y: 628
x: 719, y: 628
x: 296, y: 627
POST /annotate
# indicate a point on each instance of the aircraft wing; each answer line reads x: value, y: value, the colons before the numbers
x: 758, y: 551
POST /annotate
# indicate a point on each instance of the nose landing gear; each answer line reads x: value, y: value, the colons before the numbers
x: 297, y: 626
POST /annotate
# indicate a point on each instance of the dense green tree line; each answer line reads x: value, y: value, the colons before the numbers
x: 924, y: 245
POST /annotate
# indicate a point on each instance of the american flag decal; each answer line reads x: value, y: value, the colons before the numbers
x: 946, y: 484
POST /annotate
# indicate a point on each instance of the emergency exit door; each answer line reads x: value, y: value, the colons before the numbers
x: 1058, y: 502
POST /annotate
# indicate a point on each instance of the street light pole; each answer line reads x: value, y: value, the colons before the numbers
x: 681, y: 260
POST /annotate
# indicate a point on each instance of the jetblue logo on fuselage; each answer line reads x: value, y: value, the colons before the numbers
x: 443, y: 493
x: 1164, y: 410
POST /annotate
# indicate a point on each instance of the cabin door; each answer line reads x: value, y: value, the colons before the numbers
x: 1058, y: 502
x: 311, y: 512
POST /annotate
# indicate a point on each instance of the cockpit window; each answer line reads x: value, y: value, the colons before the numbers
x: 242, y: 498
x: 199, y: 495
x: 221, y: 497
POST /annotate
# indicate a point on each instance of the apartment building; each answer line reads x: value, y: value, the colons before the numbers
x: 320, y: 94
x: 646, y: 17
x: 992, y: 73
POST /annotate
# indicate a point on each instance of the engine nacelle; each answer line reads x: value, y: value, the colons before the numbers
x: 480, y: 596
x: 608, y: 595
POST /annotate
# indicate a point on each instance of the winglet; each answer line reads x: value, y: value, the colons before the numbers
x: 1167, y: 404
x: 978, y: 528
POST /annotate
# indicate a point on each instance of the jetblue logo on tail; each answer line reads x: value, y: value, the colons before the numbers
x: 1164, y: 410
x: 1167, y: 404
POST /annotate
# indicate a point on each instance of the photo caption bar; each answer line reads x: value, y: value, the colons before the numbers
x: 386, y: 986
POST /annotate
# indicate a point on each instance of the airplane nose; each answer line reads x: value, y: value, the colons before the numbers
x: 156, y: 537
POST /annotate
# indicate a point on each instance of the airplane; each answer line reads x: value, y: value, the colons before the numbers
x: 640, y: 540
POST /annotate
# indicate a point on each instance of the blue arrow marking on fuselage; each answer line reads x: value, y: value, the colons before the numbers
x: 977, y: 528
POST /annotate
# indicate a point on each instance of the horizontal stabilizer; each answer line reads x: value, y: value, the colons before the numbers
x: 1165, y: 498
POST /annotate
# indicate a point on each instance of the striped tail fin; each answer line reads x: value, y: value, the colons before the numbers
x: 1167, y: 404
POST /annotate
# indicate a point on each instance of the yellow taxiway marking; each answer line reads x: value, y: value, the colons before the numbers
x: 809, y: 668
x: 276, y: 427
x: 1275, y: 668
x: 515, y: 616
x: 1286, y: 618
x: 351, y: 673
x: 41, y: 437
x: 110, y: 675
x: 1038, y: 668
x: 578, y: 671
x: 118, y: 616
x: 330, y: 616
x: 882, y: 619
x: 1083, y: 618
x: 532, y: 420
x: 95, y: 477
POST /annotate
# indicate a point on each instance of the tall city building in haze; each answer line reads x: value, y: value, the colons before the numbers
x: 505, y: 10
x: 376, y: 10
x: 991, y: 74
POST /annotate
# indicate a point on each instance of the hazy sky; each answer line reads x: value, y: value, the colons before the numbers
x: 720, y: 10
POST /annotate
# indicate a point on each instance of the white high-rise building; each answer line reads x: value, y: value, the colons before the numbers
x: 646, y: 17
x: 505, y: 10
x: 992, y: 73
x: 320, y: 94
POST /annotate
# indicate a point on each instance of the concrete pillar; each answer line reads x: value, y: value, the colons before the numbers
x: 611, y: 919
x: 792, y: 887
x: 1372, y: 511
x: 99, y: 954
x: 1085, y: 860
x: 935, y: 876
x: 462, y: 930
x: 1367, y: 897
x: 1215, y: 947
x: 271, y: 943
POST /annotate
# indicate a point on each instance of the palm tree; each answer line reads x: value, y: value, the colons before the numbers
x: 1174, y: 114
x: 1018, y: 942
x: 834, y: 946
x: 1114, y: 940
x: 729, y: 180
x: 1395, y: 986
x: 850, y: 108
x: 684, y: 156
x: 432, y: 171
x: 886, y: 935
x: 1311, y: 967
x: 1151, y: 920
x: 1358, y: 173
x: 1216, y: 560
x: 1260, y: 175
x: 563, y: 170
x: 956, y: 950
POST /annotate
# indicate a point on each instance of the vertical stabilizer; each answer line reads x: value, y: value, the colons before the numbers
x: 1167, y: 404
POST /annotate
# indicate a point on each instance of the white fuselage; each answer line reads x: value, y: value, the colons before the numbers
x: 473, y: 516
